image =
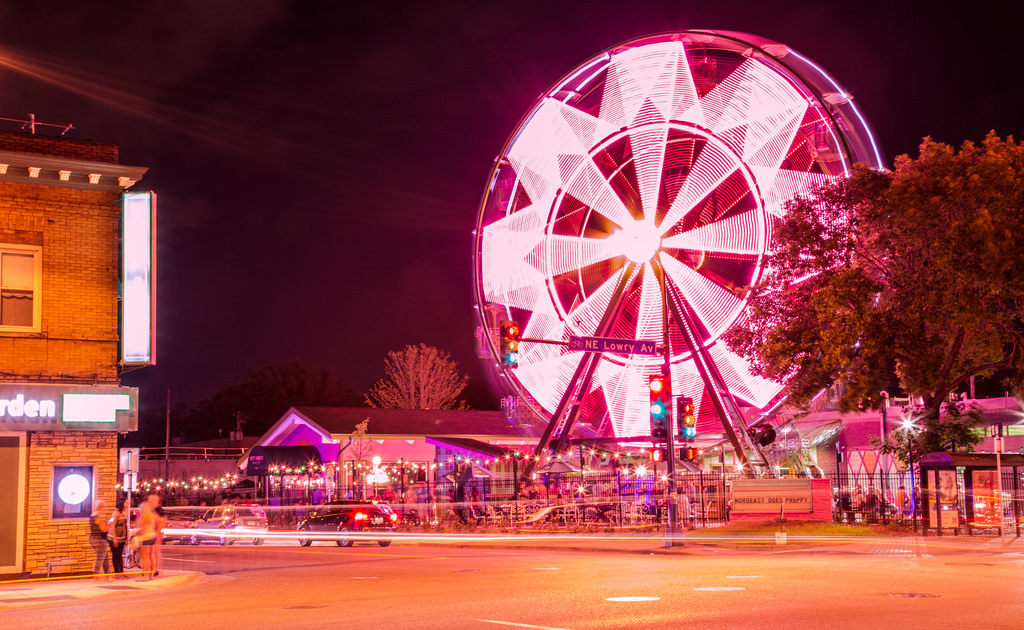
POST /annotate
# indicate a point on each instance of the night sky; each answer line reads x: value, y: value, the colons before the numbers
x: 318, y: 165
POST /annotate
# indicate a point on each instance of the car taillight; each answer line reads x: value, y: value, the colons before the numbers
x: 394, y: 517
x: 361, y: 516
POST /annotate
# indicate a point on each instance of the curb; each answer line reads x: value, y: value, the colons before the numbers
x: 32, y: 591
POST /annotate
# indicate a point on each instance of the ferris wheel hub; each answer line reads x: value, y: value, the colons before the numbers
x: 640, y: 241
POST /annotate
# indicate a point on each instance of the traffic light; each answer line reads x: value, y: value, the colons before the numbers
x: 658, y: 455
x: 658, y: 385
x: 687, y: 421
x: 689, y: 453
x: 510, y: 338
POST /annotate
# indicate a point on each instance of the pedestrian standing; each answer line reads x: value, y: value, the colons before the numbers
x: 902, y: 502
x: 98, y: 540
x: 117, y: 536
x: 161, y: 521
x: 145, y: 538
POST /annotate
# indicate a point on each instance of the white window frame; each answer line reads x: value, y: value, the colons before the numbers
x: 37, y: 285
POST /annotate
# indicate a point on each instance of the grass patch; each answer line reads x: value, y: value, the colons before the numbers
x: 810, y: 528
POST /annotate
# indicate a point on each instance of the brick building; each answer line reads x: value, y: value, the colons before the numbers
x: 62, y: 238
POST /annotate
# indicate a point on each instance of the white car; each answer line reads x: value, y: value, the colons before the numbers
x: 228, y: 523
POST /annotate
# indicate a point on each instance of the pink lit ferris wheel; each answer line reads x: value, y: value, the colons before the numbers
x: 639, y: 195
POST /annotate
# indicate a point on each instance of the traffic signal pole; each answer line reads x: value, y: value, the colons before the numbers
x: 670, y: 528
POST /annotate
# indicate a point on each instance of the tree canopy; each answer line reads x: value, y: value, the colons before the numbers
x: 418, y: 377
x: 910, y: 277
x: 262, y: 398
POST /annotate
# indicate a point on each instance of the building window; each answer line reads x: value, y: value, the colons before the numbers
x: 20, y: 272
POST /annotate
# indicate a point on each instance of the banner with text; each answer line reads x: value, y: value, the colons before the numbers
x: 770, y: 496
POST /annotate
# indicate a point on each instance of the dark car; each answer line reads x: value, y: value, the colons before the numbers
x: 338, y: 517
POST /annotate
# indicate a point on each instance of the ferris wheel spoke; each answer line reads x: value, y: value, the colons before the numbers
x: 562, y: 254
x: 739, y: 379
x: 738, y: 234
x: 751, y: 105
x: 648, y: 145
x: 649, y: 324
x: 589, y: 315
x: 555, y: 141
x: 648, y: 84
x: 713, y: 304
x: 709, y: 171
x: 787, y: 184
x: 590, y: 186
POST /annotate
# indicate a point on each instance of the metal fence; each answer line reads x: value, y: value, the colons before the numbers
x: 560, y: 500
x: 898, y: 497
x: 623, y: 499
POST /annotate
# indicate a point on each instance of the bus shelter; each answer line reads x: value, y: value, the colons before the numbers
x: 971, y: 491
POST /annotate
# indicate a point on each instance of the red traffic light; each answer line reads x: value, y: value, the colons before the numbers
x: 690, y: 453
x: 658, y: 455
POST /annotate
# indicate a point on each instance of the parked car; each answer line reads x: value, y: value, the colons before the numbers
x: 242, y: 521
x: 339, y: 517
x: 178, y: 520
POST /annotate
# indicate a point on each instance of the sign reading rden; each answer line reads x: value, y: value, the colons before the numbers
x: 35, y: 407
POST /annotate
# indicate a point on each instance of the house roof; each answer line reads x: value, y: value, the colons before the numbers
x: 416, y: 422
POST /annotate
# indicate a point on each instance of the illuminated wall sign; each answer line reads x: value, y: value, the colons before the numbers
x: 71, y: 496
x: 34, y: 407
x: 770, y: 496
x: 138, y: 278
x: 94, y: 407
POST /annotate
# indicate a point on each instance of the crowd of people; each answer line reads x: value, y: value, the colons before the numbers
x: 871, y: 505
x: 109, y: 533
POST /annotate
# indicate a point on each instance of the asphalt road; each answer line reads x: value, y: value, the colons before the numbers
x: 882, y: 584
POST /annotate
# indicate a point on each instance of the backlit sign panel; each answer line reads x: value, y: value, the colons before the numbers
x: 35, y: 407
x: 138, y: 278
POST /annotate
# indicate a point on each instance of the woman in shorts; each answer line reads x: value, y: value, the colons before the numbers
x: 147, y: 538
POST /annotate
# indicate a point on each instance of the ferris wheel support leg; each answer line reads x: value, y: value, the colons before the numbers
x: 728, y: 411
x: 580, y: 381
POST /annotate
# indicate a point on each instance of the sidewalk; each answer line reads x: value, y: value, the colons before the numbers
x: 30, y: 591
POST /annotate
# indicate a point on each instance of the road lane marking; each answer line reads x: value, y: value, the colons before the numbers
x: 352, y: 553
x: 518, y: 625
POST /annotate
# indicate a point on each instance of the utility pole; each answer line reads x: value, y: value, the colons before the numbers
x: 167, y: 440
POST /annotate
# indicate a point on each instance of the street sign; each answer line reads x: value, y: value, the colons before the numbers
x: 608, y: 344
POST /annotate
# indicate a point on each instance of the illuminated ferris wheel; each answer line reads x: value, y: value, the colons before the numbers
x: 636, y: 200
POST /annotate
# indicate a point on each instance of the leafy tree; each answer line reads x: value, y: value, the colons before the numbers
x: 911, y: 275
x: 418, y: 377
x: 948, y: 432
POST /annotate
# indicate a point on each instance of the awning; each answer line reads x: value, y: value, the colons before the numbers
x: 263, y: 458
x: 970, y: 460
x: 821, y: 435
x: 467, y: 446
